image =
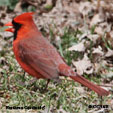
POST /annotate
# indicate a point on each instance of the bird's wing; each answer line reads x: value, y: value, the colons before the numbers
x: 41, y: 56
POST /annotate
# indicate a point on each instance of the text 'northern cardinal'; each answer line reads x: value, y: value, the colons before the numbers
x: 38, y: 57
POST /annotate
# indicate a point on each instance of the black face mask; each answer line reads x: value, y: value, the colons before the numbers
x: 16, y: 26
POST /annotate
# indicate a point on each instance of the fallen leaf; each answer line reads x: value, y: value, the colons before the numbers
x: 18, y: 7
x: 98, y: 51
x: 85, y: 7
x: 78, y: 47
x: 99, y: 30
x: 95, y: 20
x: 83, y: 66
x: 93, y: 37
x: 109, y: 53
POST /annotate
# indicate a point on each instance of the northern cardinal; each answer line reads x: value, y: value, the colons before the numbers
x: 38, y: 57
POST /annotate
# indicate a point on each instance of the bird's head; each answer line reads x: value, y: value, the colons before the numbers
x: 17, y: 22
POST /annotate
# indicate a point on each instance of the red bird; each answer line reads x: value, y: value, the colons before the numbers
x: 38, y: 57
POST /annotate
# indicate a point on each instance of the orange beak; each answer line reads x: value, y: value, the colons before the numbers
x: 9, y: 29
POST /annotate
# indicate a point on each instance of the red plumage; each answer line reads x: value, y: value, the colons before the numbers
x: 38, y: 57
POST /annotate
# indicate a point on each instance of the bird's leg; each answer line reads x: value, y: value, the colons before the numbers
x: 43, y: 90
x: 47, y: 84
x: 101, y: 100
x: 23, y: 77
x: 22, y: 82
x: 32, y: 83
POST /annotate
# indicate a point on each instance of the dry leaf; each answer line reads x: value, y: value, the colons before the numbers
x: 109, y: 53
x: 95, y: 20
x: 18, y: 7
x: 109, y: 74
x: 83, y: 66
x: 93, y: 37
x: 98, y: 51
x: 78, y: 47
x: 70, y: 6
x: 99, y: 30
x: 97, y: 67
x: 85, y: 8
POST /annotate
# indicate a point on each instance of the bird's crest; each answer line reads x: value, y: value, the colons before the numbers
x: 24, y: 17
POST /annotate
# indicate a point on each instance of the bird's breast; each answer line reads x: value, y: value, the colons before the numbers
x: 19, y: 55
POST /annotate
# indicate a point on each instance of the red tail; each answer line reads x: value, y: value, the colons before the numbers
x: 67, y: 71
x: 100, y: 91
